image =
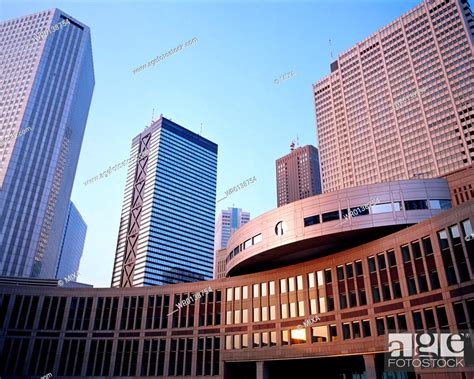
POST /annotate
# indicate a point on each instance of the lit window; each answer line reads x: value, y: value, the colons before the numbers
x: 255, y: 291
x: 291, y: 284
x: 272, y: 288
x: 299, y: 282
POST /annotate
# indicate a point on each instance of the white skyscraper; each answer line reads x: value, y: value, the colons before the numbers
x: 228, y: 221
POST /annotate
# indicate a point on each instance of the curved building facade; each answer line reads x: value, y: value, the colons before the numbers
x: 333, y: 222
x: 330, y: 313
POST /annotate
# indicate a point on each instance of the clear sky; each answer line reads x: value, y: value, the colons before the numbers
x: 224, y: 81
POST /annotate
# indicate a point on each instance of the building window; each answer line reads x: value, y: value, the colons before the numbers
x: 346, y: 333
x: 467, y: 229
x: 327, y: 276
x: 440, y: 204
x: 381, y: 261
x: 443, y: 240
x: 359, y: 211
x: 366, y: 328
x: 272, y: 288
x: 402, y: 323
x: 319, y: 334
x: 381, y: 208
x: 417, y: 320
x: 257, y: 238
x: 411, y: 285
x: 405, y: 254
x: 434, y: 280
x: 358, y: 266
x: 340, y: 273
x: 228, y: 342
x: 247, y: 243
x: 256, y: 292
x: 256, y: 314
x: 380, y: 326
x: 386, y: 292
x: 392, y: 261
x: 415, y: 247
x: 371, y: 261
x: 312, y: 220
x: 349, y: 270
x: 412, y: 205
x: 330, y: 216
x: 299, y: 282
x: 397, y: 292
x: 375, y: 294
x: 256, y: 340
x: 344, y: 213
x: 427, y: 247
x: 429, y: 318
x: 245, y: 292
x: 333, y: 332
x: 284, y: 310
x: 282, y: 285
x: 442, y: 318
x: 362, y: 297
x: 422, y: 283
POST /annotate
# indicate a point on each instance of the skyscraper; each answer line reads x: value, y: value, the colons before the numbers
x: 46, y: 88
x: 72, y: 244
x: 297, y: 175
x: 228, y: 221
x: 399, y: 104
x: 166, y: 230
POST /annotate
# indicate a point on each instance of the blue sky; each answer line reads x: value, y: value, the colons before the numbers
x: 224, y: 81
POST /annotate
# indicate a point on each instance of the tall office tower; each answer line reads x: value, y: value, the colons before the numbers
x: 46, y: 85
x: 72, y: 245
x: 166, y: 232
x: 228, y: 221
x: 297, y: 175
x: 399, y: 104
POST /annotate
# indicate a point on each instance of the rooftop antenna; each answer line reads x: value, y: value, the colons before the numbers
x: 330, y: 49
x: 297, y: 141
x: 200, y: 132
x: 152, y: 115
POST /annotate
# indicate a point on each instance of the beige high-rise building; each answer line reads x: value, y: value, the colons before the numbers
x: 297, y: 175
x: 399, y: 104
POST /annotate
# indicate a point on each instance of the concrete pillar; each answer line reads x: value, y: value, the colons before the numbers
x: 262, y: 370
x: 370, y: 369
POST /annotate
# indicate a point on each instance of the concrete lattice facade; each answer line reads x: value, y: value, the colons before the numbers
x: 420, y: 278
x: 399, y: 104
x: 170, y: 195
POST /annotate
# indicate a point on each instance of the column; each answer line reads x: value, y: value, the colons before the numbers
x: 262, y: 370
x: 370, y: 370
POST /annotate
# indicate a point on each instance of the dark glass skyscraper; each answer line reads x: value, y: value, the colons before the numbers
x: 166, y: 230
x: 72, y: 244
x: 46, y: 87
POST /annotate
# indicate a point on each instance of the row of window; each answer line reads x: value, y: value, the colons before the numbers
x: 363, y: 210
x: 245, y: 245
x: 417, y: 271
x: 98, y: 359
